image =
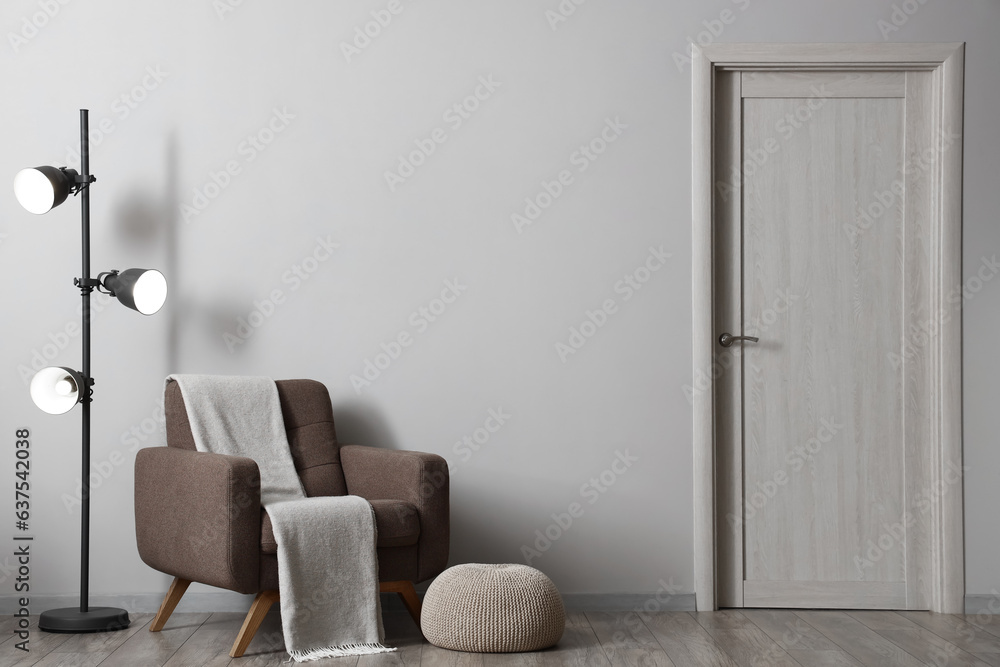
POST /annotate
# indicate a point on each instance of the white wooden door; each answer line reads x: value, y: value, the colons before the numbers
x: 824, y: 240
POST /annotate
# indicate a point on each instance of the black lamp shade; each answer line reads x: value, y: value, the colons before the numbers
x: 143, y: 290
x: 56, y: 389
x: 41, y: 189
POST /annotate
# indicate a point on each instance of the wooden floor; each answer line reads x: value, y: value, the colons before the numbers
x: 747, y: 638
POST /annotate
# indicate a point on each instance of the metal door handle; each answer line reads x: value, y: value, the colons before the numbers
x: 727, y: 339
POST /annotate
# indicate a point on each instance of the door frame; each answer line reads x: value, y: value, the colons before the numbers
x: 945, y: 590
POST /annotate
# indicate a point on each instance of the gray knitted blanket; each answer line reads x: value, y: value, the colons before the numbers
x: 327, y: 565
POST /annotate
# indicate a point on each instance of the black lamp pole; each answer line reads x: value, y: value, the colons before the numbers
x: 85, y: 296
x: 86, y: 618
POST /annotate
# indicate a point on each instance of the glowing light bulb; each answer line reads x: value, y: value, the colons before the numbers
x: 56, y: 389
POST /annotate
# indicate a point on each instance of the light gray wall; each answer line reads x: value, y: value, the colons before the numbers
x: 221, y: 76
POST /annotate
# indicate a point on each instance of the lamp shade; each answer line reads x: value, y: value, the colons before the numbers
x: 41, y: 189
x: 56, y: 389
x: 144, y: 290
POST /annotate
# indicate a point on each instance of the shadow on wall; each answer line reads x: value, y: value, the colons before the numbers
x: 473, y: 540
x: 143, y: 222
x: 494, y: 524
x: 363, y: 424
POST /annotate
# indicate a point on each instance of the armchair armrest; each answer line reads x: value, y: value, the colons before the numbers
x: 415, y: 477
x: 197, y: 516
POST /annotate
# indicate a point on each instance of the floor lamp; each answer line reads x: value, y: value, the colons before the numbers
x: 57, y: 389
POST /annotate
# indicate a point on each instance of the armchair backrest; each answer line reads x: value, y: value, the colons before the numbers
x: 308, y: 415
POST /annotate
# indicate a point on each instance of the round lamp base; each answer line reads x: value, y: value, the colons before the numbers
x: 96, y: 619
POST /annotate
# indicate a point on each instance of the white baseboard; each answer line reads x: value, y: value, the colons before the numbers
x: 209, y: 601
x: 982, y: 604
x: 194, y: 601
x: 628, y: 602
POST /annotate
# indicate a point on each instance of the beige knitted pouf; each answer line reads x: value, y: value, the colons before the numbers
x: 492, y: 609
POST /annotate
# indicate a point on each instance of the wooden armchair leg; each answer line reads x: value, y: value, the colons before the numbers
x: 408, y: 595
x: 174, y: 594
x: 258, y: 610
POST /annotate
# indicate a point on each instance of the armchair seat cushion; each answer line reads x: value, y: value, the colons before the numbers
x: 396, y: 521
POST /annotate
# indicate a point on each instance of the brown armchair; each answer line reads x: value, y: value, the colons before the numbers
x: 198, y: 515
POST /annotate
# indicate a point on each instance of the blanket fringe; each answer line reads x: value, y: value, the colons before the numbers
x: 344, y: 650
